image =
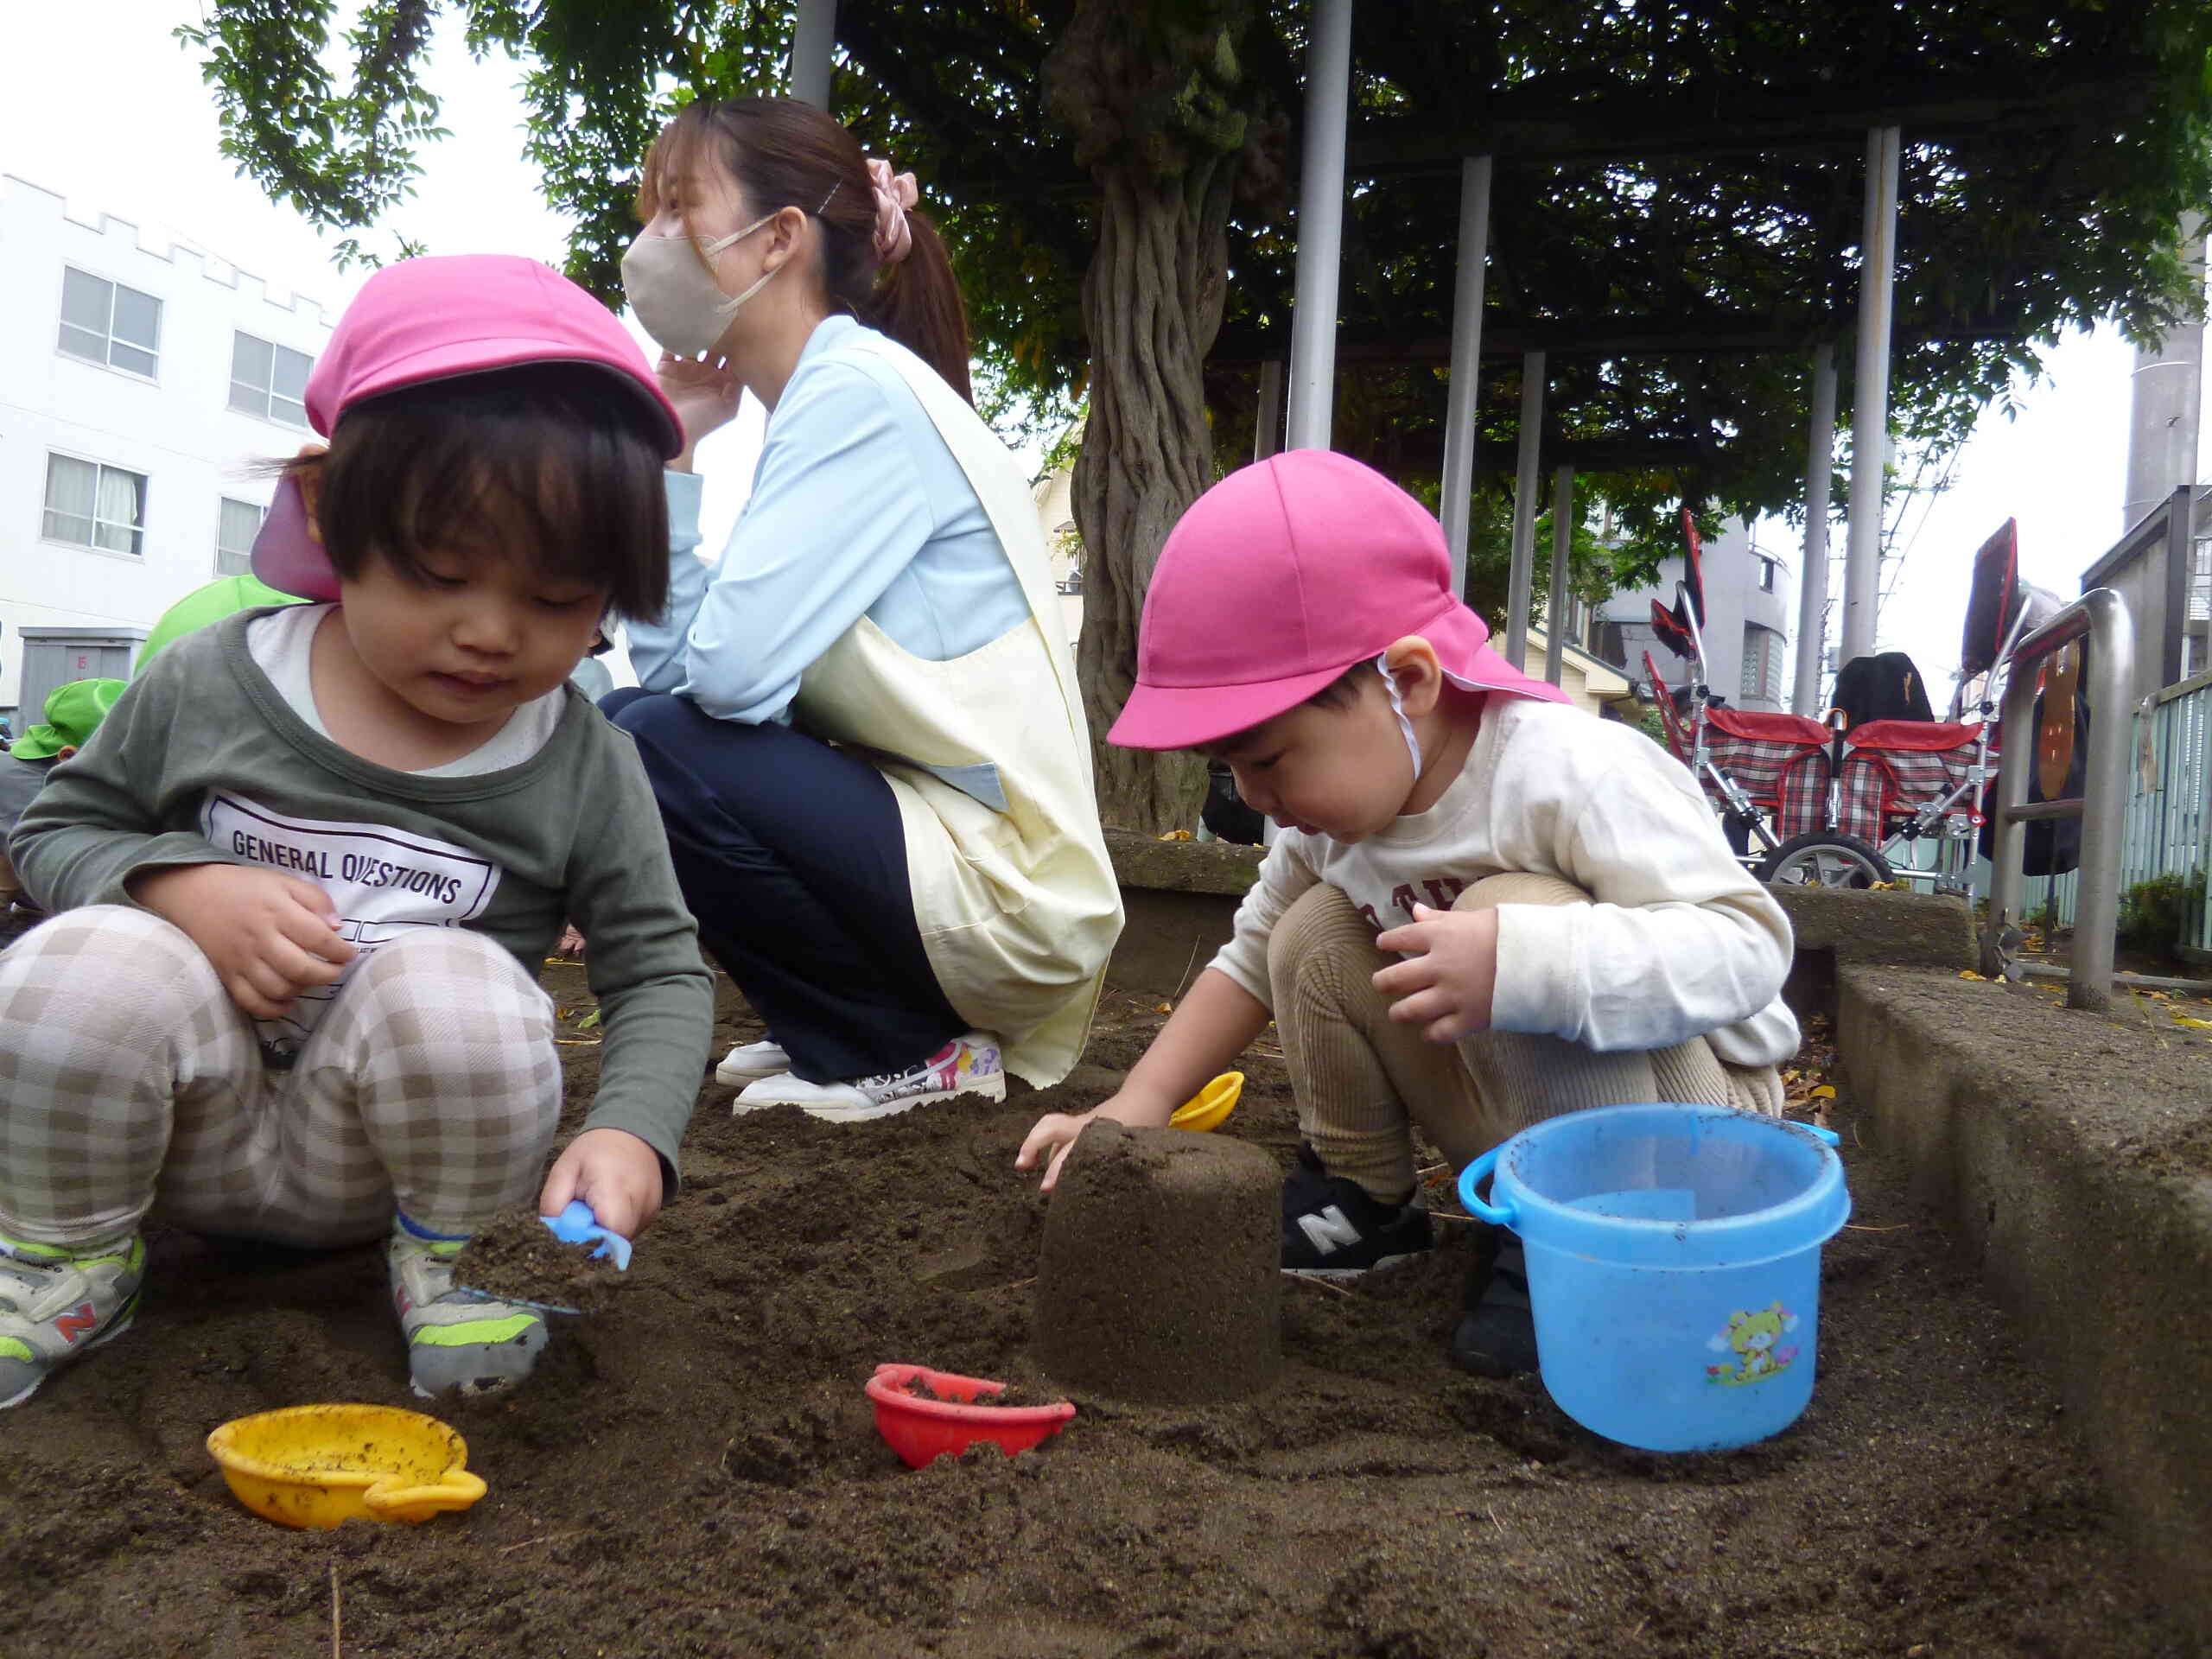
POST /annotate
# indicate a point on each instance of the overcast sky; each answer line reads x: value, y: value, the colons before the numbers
x: 97, y: 102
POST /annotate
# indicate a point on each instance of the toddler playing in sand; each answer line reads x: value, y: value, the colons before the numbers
x: 305, y: 871
x: 1484, y: 909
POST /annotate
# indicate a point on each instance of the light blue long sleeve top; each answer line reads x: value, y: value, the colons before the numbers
x: 858, y: 509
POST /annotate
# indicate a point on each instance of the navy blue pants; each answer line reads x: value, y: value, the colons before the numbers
x: 791, y: 856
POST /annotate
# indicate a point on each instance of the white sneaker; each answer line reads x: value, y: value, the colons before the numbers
x: 966, y: 1066
x: 750, y: 1062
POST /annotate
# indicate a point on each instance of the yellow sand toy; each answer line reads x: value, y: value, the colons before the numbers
x: 319, y: 1465
x: 1210, y: 1105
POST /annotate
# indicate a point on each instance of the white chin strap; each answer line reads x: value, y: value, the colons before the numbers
x: 1398, y: 707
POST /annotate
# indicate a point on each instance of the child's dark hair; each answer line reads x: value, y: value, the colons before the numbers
x: 551, y: 462
x: 1344, y: 691
x: 785, y: 153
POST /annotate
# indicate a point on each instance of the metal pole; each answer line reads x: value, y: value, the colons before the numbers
x: 1522, y: 578
x: 1813, y: 575
x: 1266, y: 434
x: 1320, y: 226
x: 1525, y: 483
x: 814, y: 43
x: 1466, y: 363
x: 1555, y: 607
x: 2103, y: 615
x: 1870, y: 415
x: 2104, y: 813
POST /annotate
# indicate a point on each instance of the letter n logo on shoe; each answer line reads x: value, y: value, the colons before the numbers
x: 1328, y: 1229
x: 75, y: 1324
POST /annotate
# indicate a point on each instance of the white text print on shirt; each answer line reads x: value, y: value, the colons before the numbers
x: 381, y: 882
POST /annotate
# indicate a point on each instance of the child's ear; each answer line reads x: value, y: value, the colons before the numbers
x: 1413, y: 667
x: 310, y: 479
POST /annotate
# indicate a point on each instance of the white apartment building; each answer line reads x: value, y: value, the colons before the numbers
x: 1750, y: 609
x: 137, y: 386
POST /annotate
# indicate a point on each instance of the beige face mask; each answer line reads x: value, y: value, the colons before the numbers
x: 674, y: 292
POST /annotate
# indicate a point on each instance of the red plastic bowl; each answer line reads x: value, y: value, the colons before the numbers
x: 920, y: 1430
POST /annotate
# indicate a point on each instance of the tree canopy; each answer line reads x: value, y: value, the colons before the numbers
x: 1670, y: 178
x: 1675, y: 217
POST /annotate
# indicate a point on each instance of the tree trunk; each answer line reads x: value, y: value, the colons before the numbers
x: 1163, y: 115
x: 1151, y: 301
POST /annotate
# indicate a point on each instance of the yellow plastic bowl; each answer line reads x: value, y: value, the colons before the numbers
x: 1205, y: 1110
x: 320, y: 1465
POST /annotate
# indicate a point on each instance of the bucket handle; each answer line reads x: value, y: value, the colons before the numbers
x: 1504, y: 1215
x: 1499, y: 1215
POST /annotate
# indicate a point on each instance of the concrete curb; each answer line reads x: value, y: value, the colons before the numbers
x: 1180, y: 898
x: 2073, y: 1154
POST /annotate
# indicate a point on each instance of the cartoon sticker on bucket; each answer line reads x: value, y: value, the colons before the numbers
x: 1755, y: 1339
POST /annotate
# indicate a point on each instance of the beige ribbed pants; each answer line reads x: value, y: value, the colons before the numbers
x: 1363, y: 1081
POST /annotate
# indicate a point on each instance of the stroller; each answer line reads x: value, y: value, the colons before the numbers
x: 1844, y: 802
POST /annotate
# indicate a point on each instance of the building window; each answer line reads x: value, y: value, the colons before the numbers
x: 1763, y: 665
x: 268, y: 380
x: 105, y: 322
x: 95, y: 505
x: 1768, y: 569
x: 240, y: 521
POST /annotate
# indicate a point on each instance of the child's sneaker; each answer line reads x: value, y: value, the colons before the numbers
x: 56, y: 1303
x: 750, y: 1062
x: 966, y: 1066
x: 457, y: 1338
x: 1497, y: 1335
x: 1333, y: 1230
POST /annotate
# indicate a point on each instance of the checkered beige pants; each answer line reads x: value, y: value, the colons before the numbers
x: 130, y: 1083
x: 1363, y: 1081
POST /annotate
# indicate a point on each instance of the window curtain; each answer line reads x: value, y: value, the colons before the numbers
x: 70, y: 487
x: 122, y: 502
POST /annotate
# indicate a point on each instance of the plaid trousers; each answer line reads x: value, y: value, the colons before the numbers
x: 131, y: 1084
x: 1363, y: 1081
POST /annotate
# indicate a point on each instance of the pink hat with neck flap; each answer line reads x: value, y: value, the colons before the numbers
x: 439, y: 318
x: 1279, y: 578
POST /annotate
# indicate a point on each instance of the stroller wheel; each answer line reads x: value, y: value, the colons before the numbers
x: 1821, y: 860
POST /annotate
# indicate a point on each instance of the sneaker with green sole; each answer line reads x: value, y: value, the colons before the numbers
x: 459, y: 1341
x: 57, y: 1302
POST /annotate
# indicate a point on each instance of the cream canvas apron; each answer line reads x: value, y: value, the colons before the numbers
x: 1018, y: 909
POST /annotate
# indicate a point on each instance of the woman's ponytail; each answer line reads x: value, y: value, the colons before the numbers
x: 916, y: 302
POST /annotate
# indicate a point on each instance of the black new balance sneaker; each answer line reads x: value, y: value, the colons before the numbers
x: 1497, y: 1335
x: 1333, y: 1230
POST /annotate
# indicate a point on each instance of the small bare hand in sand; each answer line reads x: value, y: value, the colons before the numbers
x: 614, y: 1173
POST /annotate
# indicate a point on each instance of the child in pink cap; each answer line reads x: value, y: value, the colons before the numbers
x: 304, y: 873
x: 1484, y: 907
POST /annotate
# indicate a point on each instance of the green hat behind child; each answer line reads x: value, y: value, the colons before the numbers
x: 73, y: 712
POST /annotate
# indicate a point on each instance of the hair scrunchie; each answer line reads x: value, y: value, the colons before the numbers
x: 894, y: 194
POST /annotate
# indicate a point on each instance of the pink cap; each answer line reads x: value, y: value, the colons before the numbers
x: 439, y: 318
x: 1279, y: 578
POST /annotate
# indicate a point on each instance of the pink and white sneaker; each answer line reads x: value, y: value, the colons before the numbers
x: 966, y: 1066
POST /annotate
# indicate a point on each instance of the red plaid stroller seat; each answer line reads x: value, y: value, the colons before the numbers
x: 1893, y: 769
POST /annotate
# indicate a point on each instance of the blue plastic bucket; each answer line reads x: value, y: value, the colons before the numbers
x: 1673, y: 1265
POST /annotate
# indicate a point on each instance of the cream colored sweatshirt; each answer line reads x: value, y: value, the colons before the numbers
x: 1680, y: 942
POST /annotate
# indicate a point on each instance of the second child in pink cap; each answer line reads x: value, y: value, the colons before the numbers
x: 1484, y: 907
x: 303, y: 876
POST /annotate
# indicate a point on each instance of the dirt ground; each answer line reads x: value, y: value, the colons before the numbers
x: 694, y: 1470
